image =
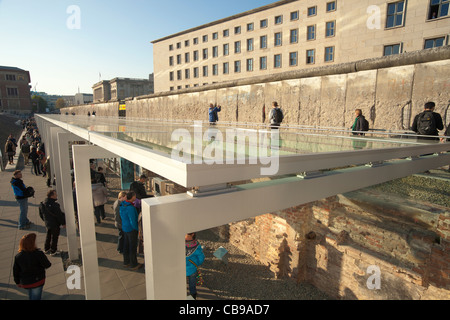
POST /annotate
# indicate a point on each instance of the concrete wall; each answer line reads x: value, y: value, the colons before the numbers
x: 324, y: 96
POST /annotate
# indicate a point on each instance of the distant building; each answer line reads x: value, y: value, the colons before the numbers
x: 121, y: 88
x: 15, y: 90
x: 83, y: 98
x: 52, y: 98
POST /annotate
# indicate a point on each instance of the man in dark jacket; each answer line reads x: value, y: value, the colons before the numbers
x: 139, y: 187
x: 428, y: 122
x: 19, y: 189
x: 53, y: 218
x: 360, y: 124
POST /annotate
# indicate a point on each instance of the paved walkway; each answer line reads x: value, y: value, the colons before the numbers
x: 117, y: 283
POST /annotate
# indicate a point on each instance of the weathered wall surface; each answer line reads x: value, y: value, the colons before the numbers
x: 332, y: 243
x: 327, y: 96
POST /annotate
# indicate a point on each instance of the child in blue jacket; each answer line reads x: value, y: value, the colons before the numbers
x: 194, y: 258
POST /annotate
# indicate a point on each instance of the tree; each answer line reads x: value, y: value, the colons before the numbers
x: 39, y: 103
x: 60, y: 103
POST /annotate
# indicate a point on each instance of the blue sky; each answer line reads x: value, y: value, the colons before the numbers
x: 113, y: 39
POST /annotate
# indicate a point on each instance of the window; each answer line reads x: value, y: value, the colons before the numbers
x: 310, y: 56
x: 293, y: 59
x: 226, y: 33
x: 10, y: 77
x: 226, y: 68
x: 331, y: 6
x: 215, y: 69
x: 391, y: 49
x: 433, y: 43
x: 179, y: 45
x: 186, y: 43
x: 195, y: 40
x: 171, y: 76
x: 311, y: 33
x: 263, y: 63
x: 237, y: 47
x: 249, y: 64
x: 330, y: 29
x: 179, y: 75
x: 237, y: 30
x: 195, y: 72
x: 278, y: 39
x: 215, y: 35
x: 250, y: 27
x: 187, y: 73
x: 205, y: 38
x: 249, y: 44
x: 170, y: 62
x: 171, y: 47
x: 294, y: 36
x: 226, y: 49
x: 438, y: 8
x: 395, y: 13
x: 312, y: 11
x: 215, y: 52
x: 196, y: 55
x: 178, y: 58
x: 294, y: 15
x: 205, y: 54
x: 278, y: 19
x: 329, y: 54
x: 186, y: 57
x: 277, y: 61
x: 263, y: 42
x: 237, y: 66
x: 263, y: 23
x: 205, y: 71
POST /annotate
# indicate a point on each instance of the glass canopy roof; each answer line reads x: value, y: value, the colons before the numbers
x: 234, y: 139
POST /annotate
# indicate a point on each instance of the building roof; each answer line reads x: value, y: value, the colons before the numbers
x: 236, y: 16
x: 11, y: 68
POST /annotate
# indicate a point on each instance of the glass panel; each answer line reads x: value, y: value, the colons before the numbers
x: 399, y: 20
x: 400, y: 7
x: 439, y: 42
x: 390, y: 22
x: 391, y: 8
x: 444, y: 10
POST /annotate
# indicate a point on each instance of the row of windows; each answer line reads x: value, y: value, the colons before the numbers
x: 312, y: 11
x: 429, y: 43
x: 250, y: 44
x: 396, y: 12
x: 250, y: 64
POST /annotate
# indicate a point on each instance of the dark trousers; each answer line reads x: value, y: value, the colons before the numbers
x: 51, y: 241
x: 99, y: 212
x: 36, y: 167
x: 120, y: 241
x: 130, y: 240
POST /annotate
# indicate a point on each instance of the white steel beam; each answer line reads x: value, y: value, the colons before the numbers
x: 167, y: 219
x: 81, y: 156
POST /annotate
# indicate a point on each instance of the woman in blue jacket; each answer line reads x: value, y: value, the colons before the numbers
x: 213, y: 117
x: 194, y: 258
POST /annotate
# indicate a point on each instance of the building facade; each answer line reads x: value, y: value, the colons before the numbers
x: 15, y: 90
x: 295, y: 34
x: 83, y: 98
x: 119, y: 89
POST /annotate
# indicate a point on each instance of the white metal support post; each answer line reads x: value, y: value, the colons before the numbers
x: 81, y: 156
x: 167, y: 219
x: 66, y: 185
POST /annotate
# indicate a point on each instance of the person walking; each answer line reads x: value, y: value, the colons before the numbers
x: 427, y: 123
x: 25, y: 148
x: 194, y: 258
x: 129, y: 216
x: 54, y: 218
x: 19, y: 189
x: 360, y: 124
x: 29, y: 267
x: 100, y: 197
x: 117, y: 220
x: 10, y: 151
x: 34, y: 157
x: 276, y: 116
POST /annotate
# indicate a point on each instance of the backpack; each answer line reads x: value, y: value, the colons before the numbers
x: 29, y: 192
x: 365, y: 125
x: 42, y: 210
x: 278, y: 116
x: 426, y: 124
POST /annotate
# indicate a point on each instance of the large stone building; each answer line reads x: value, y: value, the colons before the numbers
x: 119, y: 89
x: 15, y: 90
x: 296, y: 34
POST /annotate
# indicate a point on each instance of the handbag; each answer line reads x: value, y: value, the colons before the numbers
x: 200, y: 280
